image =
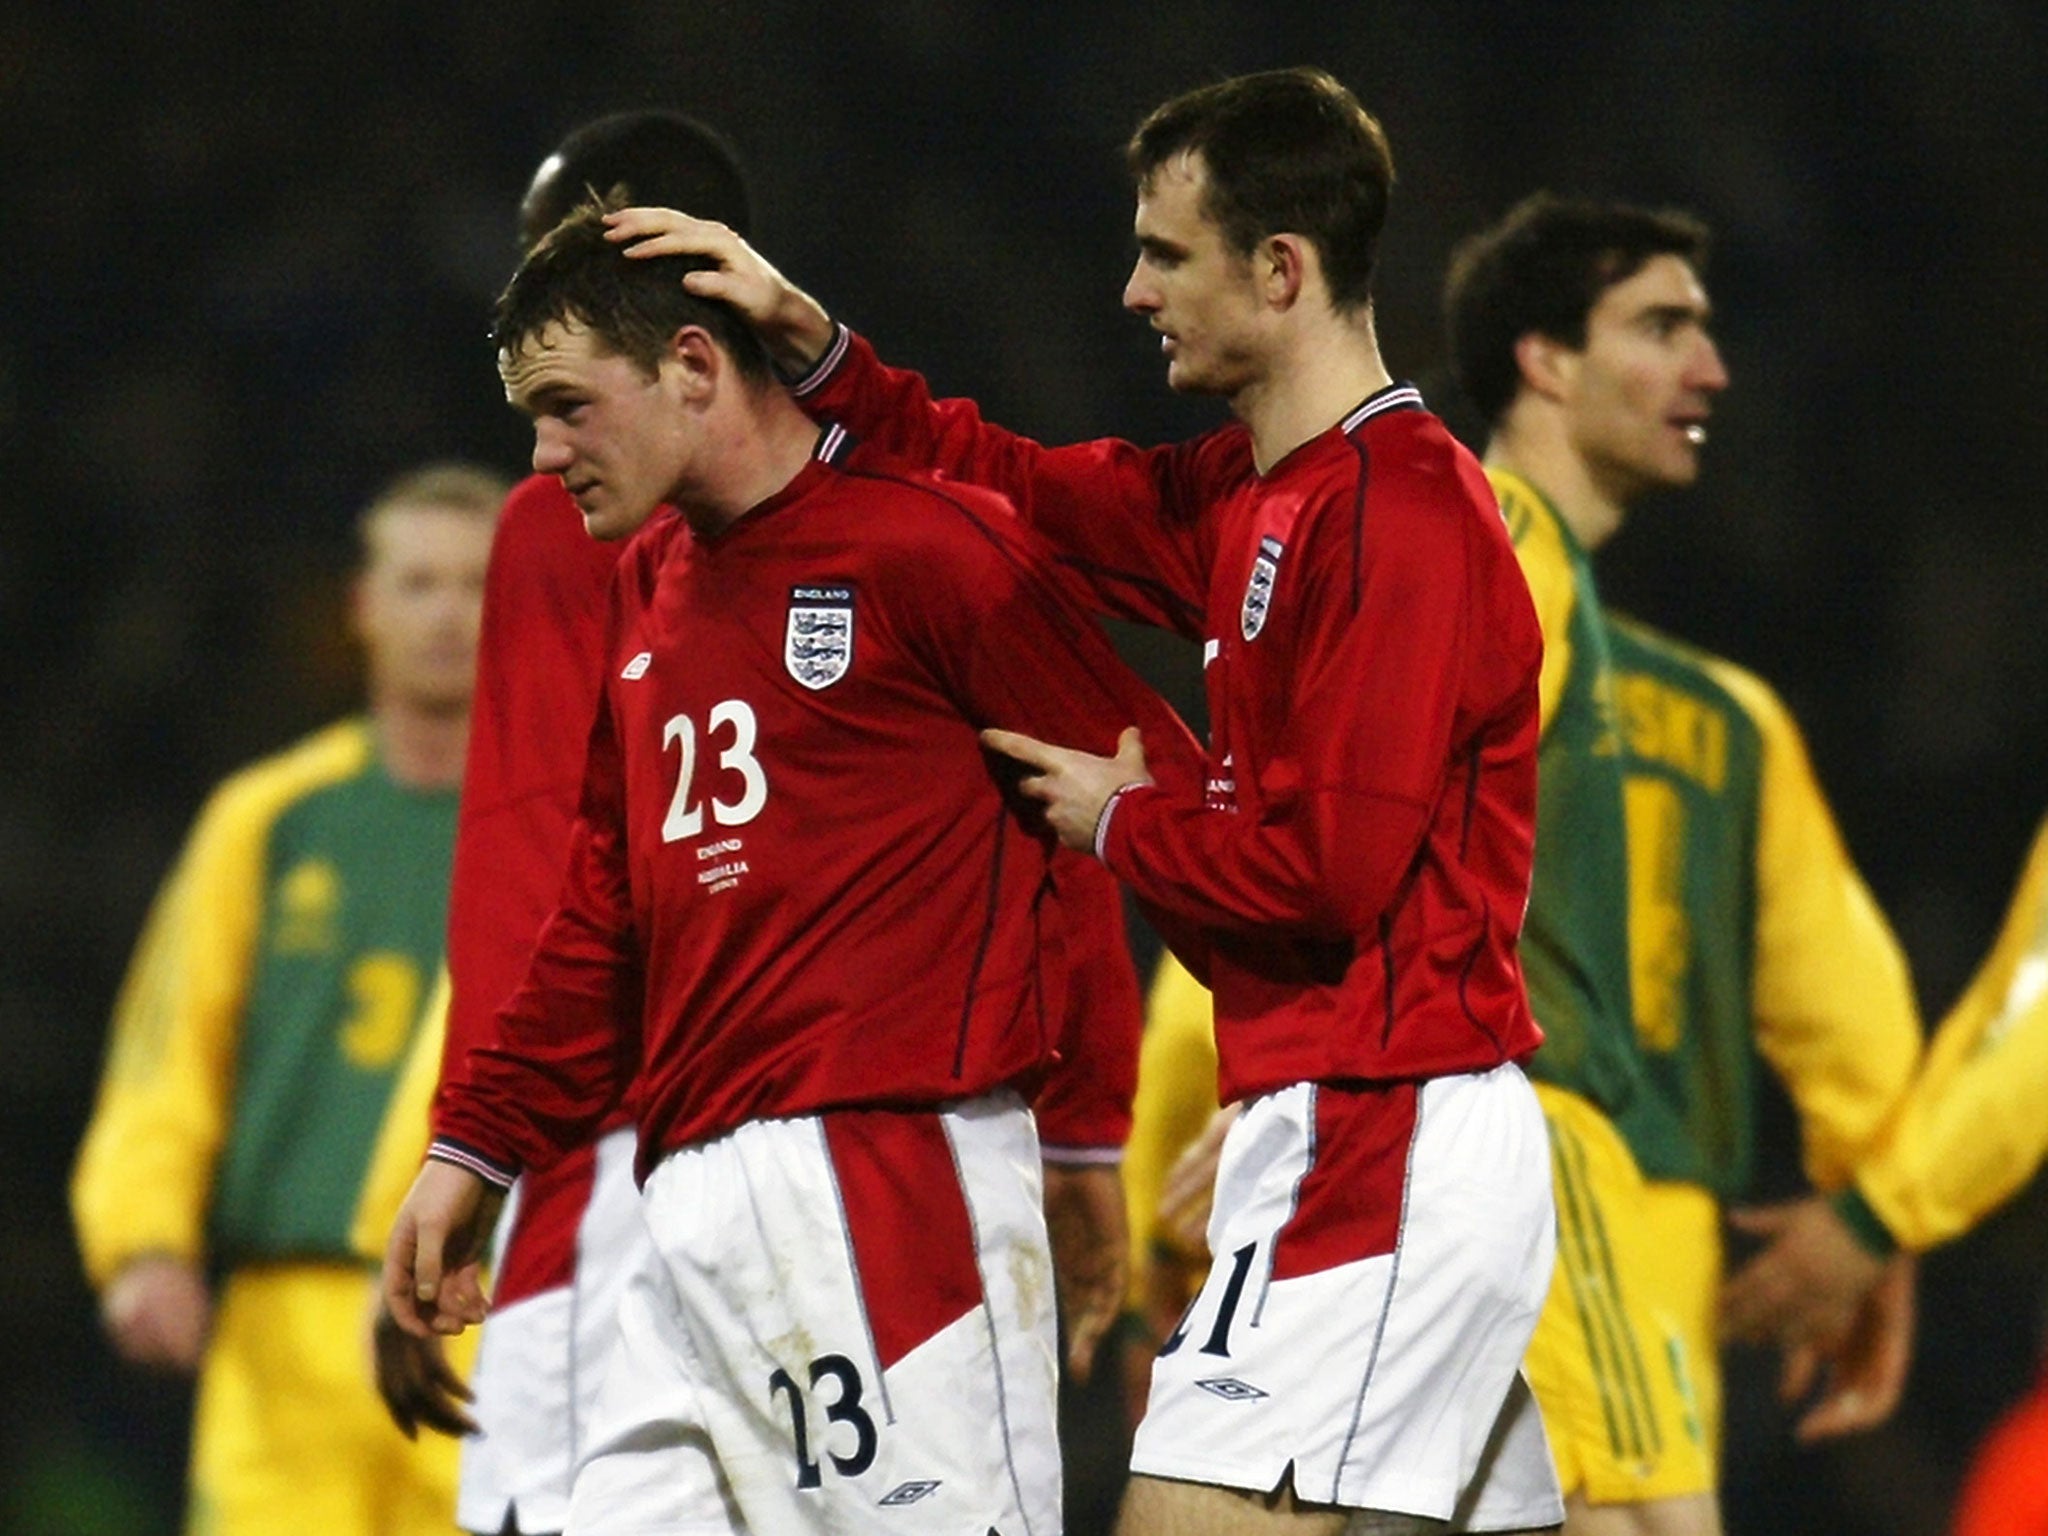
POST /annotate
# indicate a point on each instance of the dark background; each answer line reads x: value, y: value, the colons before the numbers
x: 249, y: 250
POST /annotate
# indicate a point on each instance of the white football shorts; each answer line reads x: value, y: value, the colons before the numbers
x: 541, y: 1360
x: 1382, y: 1253
x: 844, y: 1323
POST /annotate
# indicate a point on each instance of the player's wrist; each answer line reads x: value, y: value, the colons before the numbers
x: 809, y: 354
x: 1099, y: 843
x: 1863, y: 1222
x: 1077, y: 1155
x: 474, y: 1160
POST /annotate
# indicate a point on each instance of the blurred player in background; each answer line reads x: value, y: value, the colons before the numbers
x: 1169, y: 1166
x: 572, y: 1230
x: 1611, y: 1126
x: 1968, y: 1135
x: 1580, y: 330
x: 825, y: 986
x: 1350, y: 885
x: 267, y: 1012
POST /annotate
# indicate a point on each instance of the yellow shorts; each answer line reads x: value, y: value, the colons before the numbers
x: 1685, y: 1258
x: 1623, y: 1361
x: 290, y: 1435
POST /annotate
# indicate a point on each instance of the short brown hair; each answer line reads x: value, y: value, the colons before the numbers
x: 1287, y: 151
x: 1542, y: 268
x: 634, y: 306
x: 453, y: 484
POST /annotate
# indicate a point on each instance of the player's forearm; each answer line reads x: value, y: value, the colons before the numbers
x: 1093, y: 502
x: 1245, y: 874
x: 141, y: 1186
x: 797, y: 332
x: 894, y: 408
x: 1964, y: 1143
x: 557, y: 1060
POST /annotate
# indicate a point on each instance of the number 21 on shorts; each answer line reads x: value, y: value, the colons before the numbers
x: 1218, y: 1342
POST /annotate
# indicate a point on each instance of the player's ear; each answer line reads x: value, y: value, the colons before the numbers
x: 1546, y: 364
x: 1281, y: 264
x: 696, y: 359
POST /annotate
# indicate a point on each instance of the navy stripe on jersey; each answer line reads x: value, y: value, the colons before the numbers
x: 981, y: 947
x: 1472, y: 959
x: 1358, y: 525
x: 1395, y: 397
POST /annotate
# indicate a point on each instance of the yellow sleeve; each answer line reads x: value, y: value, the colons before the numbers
x: 1547, y: 567
x: 1972, y: 1130
x: 1176, y: 1098
x: 1835, y: 1014
x: 402, y: 1140
x: 144, y: 1176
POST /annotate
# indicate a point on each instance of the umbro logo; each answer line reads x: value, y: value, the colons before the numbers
x: 910, y: 1493
x: 637, y: 667
x: 1231, y: 1390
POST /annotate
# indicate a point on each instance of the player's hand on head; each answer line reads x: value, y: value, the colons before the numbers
x: 413, y: 1376
x: 792, y: 323
x: 158, y: 1311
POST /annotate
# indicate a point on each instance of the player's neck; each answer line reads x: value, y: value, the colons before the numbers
x: 1320, y: 371
x: 1563, y: 477
x: 760, y: 445
x: 422, y: 746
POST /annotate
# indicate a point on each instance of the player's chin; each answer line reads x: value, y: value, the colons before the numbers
x: 1187, y: 376
x: 1683, y: 468
x: 609, y: 519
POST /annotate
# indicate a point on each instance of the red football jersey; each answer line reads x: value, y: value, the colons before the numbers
x: 1353, y: 883
x: 540, y: 667
x: 797, y: 880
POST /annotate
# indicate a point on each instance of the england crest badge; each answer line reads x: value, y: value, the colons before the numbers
x: 817, y: 646
x: 1258, y: 592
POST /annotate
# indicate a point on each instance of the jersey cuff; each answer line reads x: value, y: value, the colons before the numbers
x: 1864, y: 1223
x: 445, y: 1149
x: 1081, y: 1157
x: 1102, y: 819
x: 813, y: 378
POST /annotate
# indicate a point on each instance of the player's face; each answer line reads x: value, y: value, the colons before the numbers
x: 1639, y: 395
x: 1199, y: 294
x: 610, y: 431
x: 419, y: 602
